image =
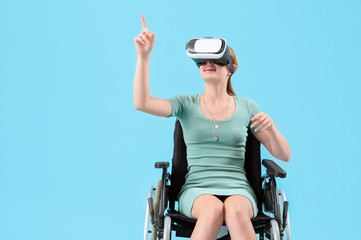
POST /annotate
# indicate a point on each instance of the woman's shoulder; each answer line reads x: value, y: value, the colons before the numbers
x: 246, y: 99
x: 249, y: 103
x: 186, y: 97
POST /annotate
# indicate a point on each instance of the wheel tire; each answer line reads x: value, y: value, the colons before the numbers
x: 153, y: 235
x: 276, y: 198
x: 278, y: 209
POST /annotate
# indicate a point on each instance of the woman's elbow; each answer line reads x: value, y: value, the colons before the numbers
x: 287, y: 158
x: 284, y: 156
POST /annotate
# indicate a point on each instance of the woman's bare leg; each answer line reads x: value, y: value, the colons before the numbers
x: 238, y: 214
x: 208, y: 210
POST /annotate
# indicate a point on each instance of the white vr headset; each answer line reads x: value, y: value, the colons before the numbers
x: 211, y: 49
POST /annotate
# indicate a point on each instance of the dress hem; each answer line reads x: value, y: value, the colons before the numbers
x: 188, y: 197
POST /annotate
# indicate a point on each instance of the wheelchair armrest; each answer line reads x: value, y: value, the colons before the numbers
x: 161, y: 164
x: 273, y: 168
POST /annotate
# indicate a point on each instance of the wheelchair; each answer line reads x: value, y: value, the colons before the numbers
x: 272, y: 220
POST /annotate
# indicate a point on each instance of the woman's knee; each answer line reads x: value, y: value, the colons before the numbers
x: 208, y: 206
x: 238, y: 208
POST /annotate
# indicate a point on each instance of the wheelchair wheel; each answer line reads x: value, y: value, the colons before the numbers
x: 147, y: 214
x: 288, y: 228
x: 153, y: 235
x: 275, y: 231
x: 276, y: 199
x: 167, y: 228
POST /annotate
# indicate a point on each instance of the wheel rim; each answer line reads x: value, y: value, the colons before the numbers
x: 288, y: 228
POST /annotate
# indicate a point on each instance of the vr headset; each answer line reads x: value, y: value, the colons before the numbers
x: 211, y: 49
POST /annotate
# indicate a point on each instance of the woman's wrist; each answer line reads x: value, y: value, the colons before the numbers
x: 144, y: 57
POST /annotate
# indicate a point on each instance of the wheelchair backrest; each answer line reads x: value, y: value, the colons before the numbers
x: 179, y: 170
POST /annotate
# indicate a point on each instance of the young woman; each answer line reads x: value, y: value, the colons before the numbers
x: 215, y: 125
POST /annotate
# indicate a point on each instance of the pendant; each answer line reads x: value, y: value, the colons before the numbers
x: 216, y: 126
x: 215, y: 138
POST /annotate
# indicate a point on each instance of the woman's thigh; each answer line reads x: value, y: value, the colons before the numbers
x: 205, y: 203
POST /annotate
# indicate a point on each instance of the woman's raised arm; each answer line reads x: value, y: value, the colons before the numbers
x: 144, y: 43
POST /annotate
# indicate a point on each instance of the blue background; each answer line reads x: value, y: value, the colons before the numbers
x: 77, y: 159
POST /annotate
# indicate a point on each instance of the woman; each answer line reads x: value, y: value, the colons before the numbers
x: 215, y: 126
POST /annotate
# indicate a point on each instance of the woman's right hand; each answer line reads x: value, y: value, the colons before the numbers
x: 144, y: 42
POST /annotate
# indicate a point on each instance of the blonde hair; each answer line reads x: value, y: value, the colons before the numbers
x: 230, y: 90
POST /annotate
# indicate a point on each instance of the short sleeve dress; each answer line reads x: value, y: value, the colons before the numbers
x: 214, y: 167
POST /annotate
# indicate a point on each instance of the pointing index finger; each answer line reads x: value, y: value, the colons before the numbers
x: 143, y: 21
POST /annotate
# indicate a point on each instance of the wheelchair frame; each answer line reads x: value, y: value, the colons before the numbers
x: 271, y: 226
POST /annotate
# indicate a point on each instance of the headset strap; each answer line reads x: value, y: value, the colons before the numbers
x: 231, y: 68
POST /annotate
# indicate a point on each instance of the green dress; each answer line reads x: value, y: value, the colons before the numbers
x: 214, y: 167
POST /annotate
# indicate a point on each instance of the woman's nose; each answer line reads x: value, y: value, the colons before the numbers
x: 210, y: 62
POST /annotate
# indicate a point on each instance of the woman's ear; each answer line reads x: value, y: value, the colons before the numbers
x: 235, y: 69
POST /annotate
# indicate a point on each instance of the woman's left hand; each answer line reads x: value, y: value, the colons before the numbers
x: 262, y: 120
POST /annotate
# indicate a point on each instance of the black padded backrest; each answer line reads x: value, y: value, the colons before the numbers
x: 179, y: 164
x: 252, y: 165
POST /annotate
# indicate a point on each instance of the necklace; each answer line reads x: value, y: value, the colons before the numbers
x: 216, y: 125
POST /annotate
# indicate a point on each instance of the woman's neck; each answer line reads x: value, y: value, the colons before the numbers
x: 216, y: 95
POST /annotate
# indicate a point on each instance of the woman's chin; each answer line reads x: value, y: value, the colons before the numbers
x: 211, y: 79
